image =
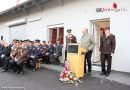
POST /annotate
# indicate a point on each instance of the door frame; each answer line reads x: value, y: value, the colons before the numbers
x: 92, y: 30
x: 56, y: 26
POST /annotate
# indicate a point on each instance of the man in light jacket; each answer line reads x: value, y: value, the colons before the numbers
x: 87, y: 42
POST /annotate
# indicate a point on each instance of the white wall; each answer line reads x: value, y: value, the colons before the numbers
x: 76, y: 14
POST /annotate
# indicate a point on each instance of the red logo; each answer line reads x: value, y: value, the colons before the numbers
x: 115, y: 5
x: 115, y: 8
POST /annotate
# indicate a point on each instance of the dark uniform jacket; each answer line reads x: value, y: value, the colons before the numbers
x: 44, y: 49
x: 50, y: 49
x: 107, y: 44
x: 6, y: 51
x: 71, y: 39
x: 36, y: 52
x: 58, y: 49
x: 1, y: 48
x: 30, y: 49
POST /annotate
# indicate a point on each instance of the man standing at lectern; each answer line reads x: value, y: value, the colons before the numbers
x: 70, y: 38
x: 87, y: 42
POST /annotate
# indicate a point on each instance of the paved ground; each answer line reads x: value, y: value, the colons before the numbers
x: 46, y: 79
x: 120, y: 77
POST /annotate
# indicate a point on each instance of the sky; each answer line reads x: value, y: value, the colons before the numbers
x: 6, y: 4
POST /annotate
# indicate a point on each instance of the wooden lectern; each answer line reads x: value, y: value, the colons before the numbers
x: 76, y: 59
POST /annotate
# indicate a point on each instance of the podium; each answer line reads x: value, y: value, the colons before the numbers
x: 76, y: 59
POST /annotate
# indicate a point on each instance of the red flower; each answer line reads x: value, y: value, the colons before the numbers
x: 64, y: 75
x: 115, y: 5
x: 71, y: 78
x: 66, y: 69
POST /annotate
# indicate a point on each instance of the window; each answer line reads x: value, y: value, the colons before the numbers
x: 56, y: 32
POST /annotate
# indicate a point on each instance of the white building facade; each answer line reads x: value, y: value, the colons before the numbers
x: 52, y: 18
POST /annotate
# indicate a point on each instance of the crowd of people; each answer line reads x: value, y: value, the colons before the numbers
x: 25, y: 52
x: 19, y: 52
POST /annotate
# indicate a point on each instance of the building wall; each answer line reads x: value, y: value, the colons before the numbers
x: 76, y: 14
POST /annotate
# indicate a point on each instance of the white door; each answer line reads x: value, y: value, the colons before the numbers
x: 18, y: 32
x: 96, y: 32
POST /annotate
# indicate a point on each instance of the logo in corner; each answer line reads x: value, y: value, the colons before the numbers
x: 115, y: 8
x: 114, y: 5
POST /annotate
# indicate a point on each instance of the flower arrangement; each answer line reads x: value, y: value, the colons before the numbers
x: 67, y: 76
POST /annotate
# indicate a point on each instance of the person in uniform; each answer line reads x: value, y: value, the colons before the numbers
x: 5, y: 56
x: 49, y: 52
x: 35, y: 54
x: 57, y: 52
x: 13, y: 54
x: 1, y: 48
x: 20, y: 57
x: 44, y: 50
x: 87, y: 42
x: 107, y: 49
x: 70, y: 38
x: 29, y: 46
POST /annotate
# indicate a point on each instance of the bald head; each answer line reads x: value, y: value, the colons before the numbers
x: 85, y: 31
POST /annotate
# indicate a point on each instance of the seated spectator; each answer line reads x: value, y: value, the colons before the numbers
x: 19, y: 56
x: 35, y: 54
x: 13, y: 53
x: 44, y: 50
x: 49, y: 52
x: 1, y: 48
x: 5, y: 57
x: 57, y: 52
x: 30, y: 46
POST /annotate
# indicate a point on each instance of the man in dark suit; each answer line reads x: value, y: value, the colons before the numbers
x: 35, y: 53
x: 1, y: 48
x: 70, y: 38
x: 44, y: 50
x: 50, y: 51
x: 5, y: 56
x: 107, y: 49
x: 57, y: 52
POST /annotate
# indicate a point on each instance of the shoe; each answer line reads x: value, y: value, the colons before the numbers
x: 14, y: 71
x: 1, y: 67
x: 89, y: 73
x: 84, y: 71
x: 57, y: 63
x: 107, y: 74
x: 4, y: 71
x: 18, y: 72
x: 21, y: 72
x: 34, y: 69
x: 102, y: 74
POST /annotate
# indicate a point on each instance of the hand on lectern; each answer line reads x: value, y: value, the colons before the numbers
x: 83, y: 53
